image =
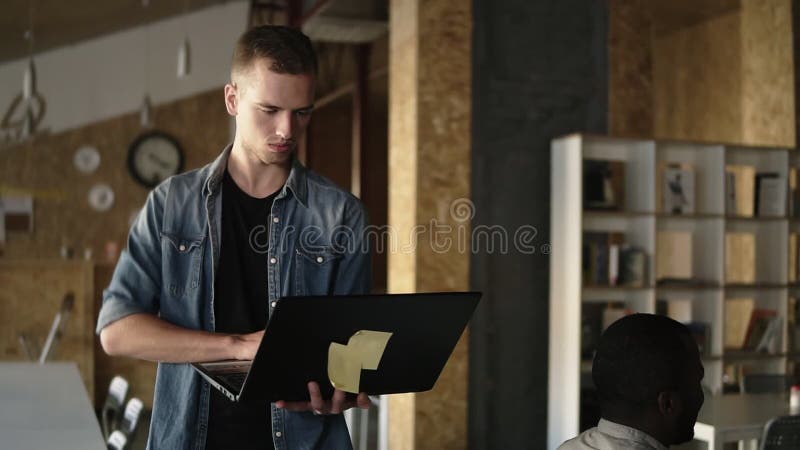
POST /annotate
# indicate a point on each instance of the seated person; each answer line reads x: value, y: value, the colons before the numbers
x: 647, y: 372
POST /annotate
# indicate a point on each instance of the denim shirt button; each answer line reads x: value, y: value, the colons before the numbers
x: 320, y: 259
x: 275, y: 220
x: 278, y: 434
x: 273, y: 304
x: 182, y: 248
x: 273, y: 260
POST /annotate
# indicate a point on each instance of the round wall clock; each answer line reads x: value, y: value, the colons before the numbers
x: 86, y: 159
x: 153, y: 157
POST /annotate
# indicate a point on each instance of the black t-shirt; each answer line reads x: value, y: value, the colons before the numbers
x: 241, y: 305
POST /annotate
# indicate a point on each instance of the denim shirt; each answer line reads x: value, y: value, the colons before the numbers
x: 315, y: 244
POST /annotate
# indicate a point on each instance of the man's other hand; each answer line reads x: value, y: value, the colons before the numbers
x: 337, y: 404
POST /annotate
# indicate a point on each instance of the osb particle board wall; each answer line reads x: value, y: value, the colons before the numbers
x: 34, y: 278
x: 62, y: 215
x: 711, y: 70
x: 31, y: 295
x: 729, y: 79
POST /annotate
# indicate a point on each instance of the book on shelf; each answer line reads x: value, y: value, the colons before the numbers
x: 740, y: 190
x: 677, y: 309
x: 770, y: 195
x: 673, y: 256
x: 603, y: 184
x: 601, y: 257
x: 740, y: 257
x: 750, y: 328
x: 613, y: 264
x: 794, y: 193
x: 633, y: 269
x: 793, y: 328
x: 591, y: 327
x: 761, y: 331
x: 737, y: 320
x: 676, y: 192
x: 730, y: 193
x: 770, y: 340
x: 792, y: 275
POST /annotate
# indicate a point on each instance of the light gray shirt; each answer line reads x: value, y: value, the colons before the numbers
x: 608, y: 435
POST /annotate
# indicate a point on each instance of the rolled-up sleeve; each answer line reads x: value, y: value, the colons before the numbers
x: 136, y: 284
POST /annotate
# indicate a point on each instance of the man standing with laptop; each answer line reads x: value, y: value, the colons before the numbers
x: 215, y: 248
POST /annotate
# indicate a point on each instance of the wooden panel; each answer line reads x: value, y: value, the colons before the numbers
x: 403, y: 123
x: 443, y: 181
x: 329, y: 138
x: 429, y: 171
x: 697, y: 82
x: 727, y: 78
x: 630, y: 48
x: 31, y: 296
x: 768, y: 104
x: 673, y: 15
x: 376, y: 167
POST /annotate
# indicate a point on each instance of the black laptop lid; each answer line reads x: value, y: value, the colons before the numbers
x: 294, y: 350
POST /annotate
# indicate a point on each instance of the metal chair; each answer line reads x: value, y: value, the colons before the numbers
x: 30, y: 345
x: 130, y: 418
x: 57, y: 328
x: 781, y: 433
x: 765, y: 383
x: 116, y: 441
x: 110, y: 414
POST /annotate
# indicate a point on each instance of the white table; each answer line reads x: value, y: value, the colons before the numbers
x: 46, y: 407
x: 734, y: 417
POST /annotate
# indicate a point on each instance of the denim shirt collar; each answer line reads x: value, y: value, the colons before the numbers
x: 296, y: 182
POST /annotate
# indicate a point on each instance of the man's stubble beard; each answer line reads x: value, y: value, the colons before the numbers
x: 265, y: 156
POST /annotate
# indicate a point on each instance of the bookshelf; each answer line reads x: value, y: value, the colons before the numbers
x: 642, y: 218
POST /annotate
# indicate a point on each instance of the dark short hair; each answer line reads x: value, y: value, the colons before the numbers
x: 638, y: 357
x: 288, y: 48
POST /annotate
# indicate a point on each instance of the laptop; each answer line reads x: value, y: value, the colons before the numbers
x: 378, y: 344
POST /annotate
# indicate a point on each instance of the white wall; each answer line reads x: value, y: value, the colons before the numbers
x: 106, y: 77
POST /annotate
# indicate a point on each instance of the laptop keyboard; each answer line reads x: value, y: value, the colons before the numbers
x: 234, y: 380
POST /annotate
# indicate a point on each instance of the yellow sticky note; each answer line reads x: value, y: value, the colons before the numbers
x: 344, y: 370
x: 364, y: 350
x: 369, y: 345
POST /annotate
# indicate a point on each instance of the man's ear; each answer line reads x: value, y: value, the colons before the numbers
x: 669, y: 403
x: 231, y: 99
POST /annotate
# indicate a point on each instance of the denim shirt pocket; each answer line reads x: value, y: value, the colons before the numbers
x: 315, y: 270
x: 183, y: 259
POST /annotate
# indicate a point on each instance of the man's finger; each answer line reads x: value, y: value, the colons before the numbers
x: 293, y: 406
x: 337, y: 402
x: 363, y: 401
x: 317, y: 403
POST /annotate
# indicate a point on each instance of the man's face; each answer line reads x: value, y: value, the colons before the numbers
x: 272, y: 110
x: 691, y: 397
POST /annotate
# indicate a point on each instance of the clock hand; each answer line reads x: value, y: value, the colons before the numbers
x: 153, y: 157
